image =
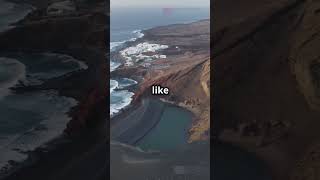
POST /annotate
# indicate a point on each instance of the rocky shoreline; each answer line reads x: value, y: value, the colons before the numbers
x: 40, y: 32
x: 189, y: 58
x: 86, y: 45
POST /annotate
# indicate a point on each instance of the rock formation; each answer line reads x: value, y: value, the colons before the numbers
x: 265, y: 60
x: 187, y: 71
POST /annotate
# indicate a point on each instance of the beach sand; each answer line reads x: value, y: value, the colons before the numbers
x: 135, y: 122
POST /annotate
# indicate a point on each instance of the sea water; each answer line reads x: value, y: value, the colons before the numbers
x: 170, y: 133
x: 31, y: 119
x: 126, y: 25
x: 11, y: 13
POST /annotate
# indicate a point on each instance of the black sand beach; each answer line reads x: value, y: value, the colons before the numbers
x: 138, y: 121
x: 133, y: 124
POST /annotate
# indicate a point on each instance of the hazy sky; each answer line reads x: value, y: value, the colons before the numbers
x: 160, y: 3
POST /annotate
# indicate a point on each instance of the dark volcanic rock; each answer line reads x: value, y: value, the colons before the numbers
x: 265, y: 84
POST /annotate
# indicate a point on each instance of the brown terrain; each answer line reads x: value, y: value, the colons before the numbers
x: 266, y: 82
x: 185, y: 71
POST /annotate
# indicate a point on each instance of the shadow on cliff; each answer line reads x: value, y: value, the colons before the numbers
x: 265, y: 60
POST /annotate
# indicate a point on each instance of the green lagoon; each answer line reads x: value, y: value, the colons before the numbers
x: 171, y: 132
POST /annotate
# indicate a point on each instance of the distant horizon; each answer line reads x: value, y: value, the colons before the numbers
x: 154, y: 7
x: 159, y: 7
x: 160, y: 4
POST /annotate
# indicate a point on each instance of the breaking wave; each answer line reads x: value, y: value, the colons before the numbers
x: 11, y: 72
x: 119, y: 99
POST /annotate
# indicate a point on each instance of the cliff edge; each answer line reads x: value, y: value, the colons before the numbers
x: 265, y: 100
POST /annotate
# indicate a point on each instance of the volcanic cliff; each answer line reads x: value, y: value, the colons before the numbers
x: 185, y: 71
x: 266, y: 82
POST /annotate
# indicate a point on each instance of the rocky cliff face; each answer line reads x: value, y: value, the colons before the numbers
x: 190, y: 88
x: 266, y: 80
x: 187, y: 74
x: 305, y: 58
x: 303, y: 54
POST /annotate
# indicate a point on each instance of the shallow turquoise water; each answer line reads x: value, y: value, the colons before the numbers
x: 171, y: 132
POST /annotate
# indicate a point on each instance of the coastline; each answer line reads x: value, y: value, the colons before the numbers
x: 143, y: 123
x: 181, y: 57
x: 66, y: 142
x: 86, y: 131
x: 139, y: 119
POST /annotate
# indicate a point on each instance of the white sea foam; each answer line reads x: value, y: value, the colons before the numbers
x: 137, y: 53
x: 11, y: 72
x: 113, y: 85
x: 33, y: 119
x: 126, y: 82
x: 115, y: 45
x: 138, y: 33
x: 30, y: 119
x: 114, y: 65
x: 119, y: 100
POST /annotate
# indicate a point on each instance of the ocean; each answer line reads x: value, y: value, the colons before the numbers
x: 29, y: 119
x: 126, y: 25
x: 11, y: 12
